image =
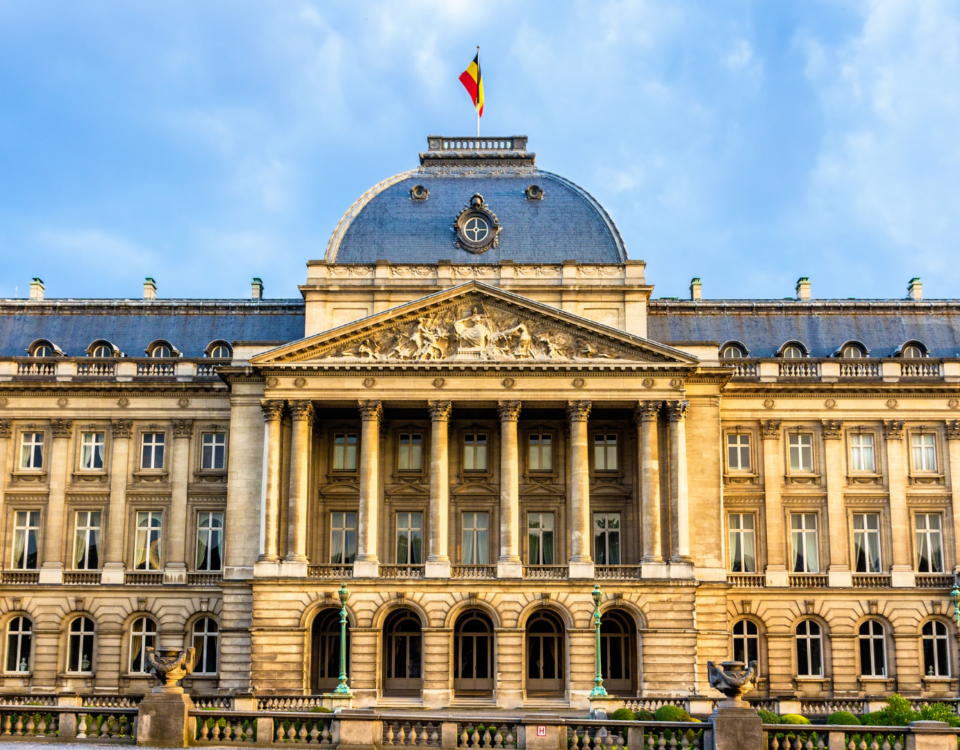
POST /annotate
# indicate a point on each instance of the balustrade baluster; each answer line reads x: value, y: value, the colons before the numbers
x: 464, y: 737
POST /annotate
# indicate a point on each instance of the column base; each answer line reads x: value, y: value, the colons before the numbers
x: 175, y: 574
x: 293, y: 568
x: 580, y: 570
x: 654, y: 570
x: 366, y: 568
x: 266, y: 568
x: 902, y: 577
x: 164, y: 720
x: 682, y: 569
x: 839, y: 577
x: 436, y: 569
x: 509, y: 569
x: 337, y: 701
x: 51, y: 573
x: 112, y: 574
x: 602, y: 706
x: 777, y: 577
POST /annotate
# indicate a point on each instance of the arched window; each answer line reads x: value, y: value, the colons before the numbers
x: 809, y: 649
x: 732, y: 351
x: 792, y: 351
x: 101, y: 349
x: 473, y: 655
x: 403, y: 660
x: 852, y: 351
x: 143, y: 635
x: 19, y: 644
x: 325, y: 651
x: 219, y: 350
x: 873, y: 650
x: 160, y: 349
x: 618, y: 653
x: 545, y: 653
x: 746, y: 642
x: 206, y: 641
x: 42, y: 349
x: 80, y: 645
x: 936, y: 650
x: 913, y: 350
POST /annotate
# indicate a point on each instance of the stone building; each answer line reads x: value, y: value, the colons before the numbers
x: 474, y: 413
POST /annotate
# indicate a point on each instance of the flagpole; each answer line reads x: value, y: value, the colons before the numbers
x: 476, y: 104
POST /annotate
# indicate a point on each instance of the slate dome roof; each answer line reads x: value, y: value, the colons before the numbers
x: 389, y: 223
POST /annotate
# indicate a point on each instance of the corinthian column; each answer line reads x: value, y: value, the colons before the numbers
x: 175, y: 570
x: 646, y: 414
x: 438, y: 560
x: 679, y: 499
x: 269, y: 540
x: 581, y: 561
x: 509, y: 565
x: 52, y: 569
x: 113, y: 567
x: 296, y: 560
x: 367, y: 564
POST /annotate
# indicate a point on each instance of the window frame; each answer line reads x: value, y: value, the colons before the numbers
x: 475, y: 433
x: 44, y: 441
x: 83, y: 635
x: 747, y: 637
x: 801, y: 432
x: 37, y: 535
x: 343, y: 532
x: 756, y: 539
x: 557, y: 552
x: 214, y: 431
x: 30, y: 634
x: 606, y: 433
x: 409, y: 528
x: 476, y: 530
x: 873, y: 638
x: 925, y: 471
x: 152, y: 430
x: 145, y: 634
x: 206, y: 635
x: 916, y: 539
x: 821, y: 637
x: 934, y: 637
x: 852, y: 470
x: 87, y: 528
x: 555, y: 454
x: 346, y: 432
x: 82, y: 444
x: 398, y: 433
x: 134, y: 547
x: 606, y: 534
x: 866, y: 532
x: 790, y: 530
x: 198, y: 530
x: 738, y: 433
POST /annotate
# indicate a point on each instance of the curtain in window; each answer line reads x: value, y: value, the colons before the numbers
x: 19, y: 542
x: 468, y: 551
x: 336, y: 545
x: 79, y: 547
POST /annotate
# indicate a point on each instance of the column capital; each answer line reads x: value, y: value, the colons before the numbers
x: 5, y: 427
x: 370, y: 411
x: 121, y: 428
x: 953, y: 429
x: 509, y: 411
x: 182, y: 428
x: 301, y: 411
x: 893, y: 429
x: 677, y: 410
x: 832, y: 428
x: 770, y: 429
x: 272, y: 409
x: 578, y: 411
x: 61, y: 427
x: 439, y: 410
x: 647, y: 411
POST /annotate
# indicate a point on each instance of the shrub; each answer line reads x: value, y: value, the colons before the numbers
x: 768, y: 717
x: 794, y: 719
x: 643, y: 716
x: 874, y: 719
x: 320, y: 710
x: 623, y: 714
x: 671, y: 713
x: 843, y: 718
x: 899, y: 711
x: 939, y: 712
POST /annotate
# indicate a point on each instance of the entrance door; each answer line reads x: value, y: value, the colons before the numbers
x: 403, y: 654
x: 617, y: 653
x: 325, y: 651
x: 545, y: 654
x: 473, y: 652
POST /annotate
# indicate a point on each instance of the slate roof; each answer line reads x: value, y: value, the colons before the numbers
x: 823, y: 326
x: 132, y: 325
x: 567, y: 224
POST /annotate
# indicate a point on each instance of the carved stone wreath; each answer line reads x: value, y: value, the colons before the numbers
x: 477, y: 227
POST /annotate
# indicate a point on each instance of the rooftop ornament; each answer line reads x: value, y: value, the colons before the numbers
x: 733, y: 681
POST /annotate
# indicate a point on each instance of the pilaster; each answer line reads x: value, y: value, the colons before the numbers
x: 113, y: 567
x: 581, y: 561
x: 295, y: 563
x: 509, y: 565
x: 438, y: 559
x: 839, y: 574
x: 680, y: 561
x: 646, y: 415
x: 52, y: 569
x: 776, y: 572
x: 953, y: 454
x: 268, y: 560
x: 367, y: 564
x: 175, y: 570
x: 902, y: 574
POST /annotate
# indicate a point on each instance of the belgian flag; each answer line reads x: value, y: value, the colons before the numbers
x: 473, y: 83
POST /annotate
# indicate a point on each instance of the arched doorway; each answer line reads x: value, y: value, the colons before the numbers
x: 545, y: 654
x: 473, y: 654
x: 325, y: 651
x: 403, y: 654
x: 618, y: 653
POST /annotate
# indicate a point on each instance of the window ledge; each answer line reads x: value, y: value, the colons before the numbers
x: 802, y: 478
x: 17, y: 674
x: 150, y: 475
x: 924, y: 478
x: 28, y: 475
x: 864, y: 478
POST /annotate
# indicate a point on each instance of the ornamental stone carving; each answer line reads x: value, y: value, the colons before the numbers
x: 832, y: 428
x: 733, y: 681
x: 677, y: 410
x: 509, y: 411
x: 770, y: 429
x: 182, y: 428
x: 578, y: 411
x: 171, y: 665
x: 953, y: 429
x: 477, y: 227
x: 893, y: 429
x: 272, y: 409
x: 647, y: 411
x: 370, y: 411
x: 121, y: 428
x: 5, y: 428
x: 301, y: 410
x: 61, y: 427
x: 439, y: 410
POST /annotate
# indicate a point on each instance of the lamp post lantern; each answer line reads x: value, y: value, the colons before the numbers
x: 598, y: 691
x: 955, y: 598
x: 343, y: 688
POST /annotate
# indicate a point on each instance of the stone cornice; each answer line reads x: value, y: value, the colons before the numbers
x: 143, y: 308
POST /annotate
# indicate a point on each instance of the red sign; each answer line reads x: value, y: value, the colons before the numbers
x: 541, y: 731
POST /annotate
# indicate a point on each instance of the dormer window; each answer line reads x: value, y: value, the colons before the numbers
x: 853, y: 350
x: 913, y: 350
x: 792, y: 352
x: 42, y: 349
x: 102, y: 350
x: 733, y: 350
x: 161, y: 350
x: 219, y: 350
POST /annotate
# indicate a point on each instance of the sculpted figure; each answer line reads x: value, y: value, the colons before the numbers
x: 518, y: 341
x: 473, y: 331
x: 733, y: 681
x: 551, y: 348
x: 369, y: 349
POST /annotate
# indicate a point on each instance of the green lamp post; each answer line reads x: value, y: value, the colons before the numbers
x: 599, y: 691
x: 343, y: 688
x: 955, y: 598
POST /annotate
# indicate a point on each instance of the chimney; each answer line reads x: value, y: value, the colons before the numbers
x: 149, y: 288
x: 803, y: 288
x: 256, y: 288
x: 36, y: 289
x: 914, y: 289
x: 695, y: 288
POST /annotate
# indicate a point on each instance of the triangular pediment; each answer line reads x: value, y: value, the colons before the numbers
x: 474, y: 323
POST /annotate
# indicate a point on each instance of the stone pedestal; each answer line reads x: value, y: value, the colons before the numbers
x: 580, y: 570
x: 736, y: 729
x: 601, y: 708
x: 163, y: 720
x: 930, y: 735
x: 337, y: 701
x: 112, y: 574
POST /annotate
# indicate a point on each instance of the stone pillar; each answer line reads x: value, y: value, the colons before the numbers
x: 681, y: 562
x: 175, y: 570
x: 269, y: 541
x: 5, y: 432
x: 646, y: 414
x: 953, y: 456
x: 367, y: 564
x: 52, y: 569
x: 296, y: 561
x: 838, y: 573
x: 509, y: 565
x: 113, y: 566
x: 438, y: 559
x: 902, y: 574
x: 776, y: 572
x: 578, y: 490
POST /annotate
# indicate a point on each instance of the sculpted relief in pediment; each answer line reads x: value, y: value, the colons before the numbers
x: 478, y: 329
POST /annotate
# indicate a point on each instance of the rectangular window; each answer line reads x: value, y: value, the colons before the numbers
x: 91, y: 450
x: 409, y: 538
x: 411, y: 452
x: 801, y: 451
x: 738, y: 452
x: 743, y: 557
x: 210, y: 540
x: 866, y: 542
x: 31, y: 450
x: 606, y: 538
x: 605, y: 452
x: 924, y: 452
x: 345, y: 451
x: 343, y: 537
x: 26, y: 539
x: 474, y: 452
x: 153, y: 444
x: 803, y: 536
x: 476, y: 534
x: 541, y: 452
x: 929, y: 543
x: 213, y: 451
x: 86, y: 541
x: 540, y: 539
x: 861, y: 452
x: 147, y: 551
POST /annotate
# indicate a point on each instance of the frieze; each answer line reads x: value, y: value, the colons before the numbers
x: 406, y: 272
x: 474, y: 272
x: 351, y: 271
x: 598, y: 271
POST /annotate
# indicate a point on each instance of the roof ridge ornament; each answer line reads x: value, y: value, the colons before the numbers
x: 476, y: 227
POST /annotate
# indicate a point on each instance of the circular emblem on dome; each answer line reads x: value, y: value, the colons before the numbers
x: 477, y: 227
x: 419, y: 193
x: 534, y: 193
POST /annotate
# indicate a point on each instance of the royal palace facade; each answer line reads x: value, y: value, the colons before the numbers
x: 474, y: 413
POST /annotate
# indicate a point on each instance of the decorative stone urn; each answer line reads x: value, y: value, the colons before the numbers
x: 171, y: 666
x: 733, y: 681
x: 735, y: 725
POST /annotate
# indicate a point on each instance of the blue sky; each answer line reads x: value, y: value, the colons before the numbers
x: 748, y: 143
